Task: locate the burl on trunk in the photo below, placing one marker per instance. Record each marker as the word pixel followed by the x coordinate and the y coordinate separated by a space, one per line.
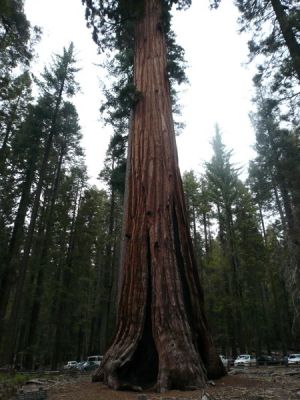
pixel 162 337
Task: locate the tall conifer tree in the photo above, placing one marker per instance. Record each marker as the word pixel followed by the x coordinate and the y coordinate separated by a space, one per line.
pixel 162 336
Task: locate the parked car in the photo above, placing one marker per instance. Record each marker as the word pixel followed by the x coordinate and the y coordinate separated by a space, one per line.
pixel 95 359
pixel 80 365
pixel 244 360
pixel 293 359
pixel 230 361
pixel 70 365
pixel 224 360
pixel 89 366
pixel 268 360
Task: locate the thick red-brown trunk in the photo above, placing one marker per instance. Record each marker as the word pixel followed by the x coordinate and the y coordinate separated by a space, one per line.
pixel 162 336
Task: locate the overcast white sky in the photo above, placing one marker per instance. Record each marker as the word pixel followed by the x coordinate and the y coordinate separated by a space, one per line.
pixel 220 86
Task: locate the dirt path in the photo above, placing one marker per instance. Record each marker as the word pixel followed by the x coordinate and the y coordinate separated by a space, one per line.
pixel 249 384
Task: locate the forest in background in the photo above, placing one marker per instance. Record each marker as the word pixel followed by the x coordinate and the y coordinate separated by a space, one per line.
pixel 60 237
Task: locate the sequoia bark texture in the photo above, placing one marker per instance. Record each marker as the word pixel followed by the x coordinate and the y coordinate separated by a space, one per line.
pixel 162 337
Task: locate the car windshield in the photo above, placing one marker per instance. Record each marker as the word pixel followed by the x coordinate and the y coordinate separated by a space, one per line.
pixel 243 356
pixel 95 358
pixel 295 356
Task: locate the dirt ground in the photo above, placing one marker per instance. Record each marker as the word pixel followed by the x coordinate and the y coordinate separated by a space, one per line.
pixel 248 384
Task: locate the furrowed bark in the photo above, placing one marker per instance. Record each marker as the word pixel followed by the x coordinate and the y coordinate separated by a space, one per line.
pixel 162 336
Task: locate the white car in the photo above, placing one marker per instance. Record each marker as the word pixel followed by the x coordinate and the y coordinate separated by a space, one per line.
pixel 70 365
pixel 244 360
pixel 96 359
pixel 294 359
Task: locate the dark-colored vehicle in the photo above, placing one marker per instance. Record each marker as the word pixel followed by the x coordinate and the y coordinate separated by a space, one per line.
pixel 80 365
pixel 230 361
pixel 268 360
pixel 89 366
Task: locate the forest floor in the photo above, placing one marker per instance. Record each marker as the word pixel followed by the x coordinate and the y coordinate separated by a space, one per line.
pixel 263 383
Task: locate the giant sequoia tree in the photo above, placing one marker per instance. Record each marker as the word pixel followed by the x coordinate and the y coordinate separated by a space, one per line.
pixel 162 336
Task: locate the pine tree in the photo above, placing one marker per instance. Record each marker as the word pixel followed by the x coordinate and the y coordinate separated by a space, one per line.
pixel 252 258
pixel 24 160
pixel 68 137
pixel 222 180
pixel 14 36
pixel 113 175
pixel 14 109
pixel 198 216
pixel 274 26
pixel 276 144
pixel 58 82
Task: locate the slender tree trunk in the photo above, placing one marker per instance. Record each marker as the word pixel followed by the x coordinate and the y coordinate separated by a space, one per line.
pixel 96 320
pixel 261 217
pixel 279 205
pixel 61 299
pixel 265 335
pixel 293 244
pixel 288 34
pixel 290 224
pixel 57 307
pixel 205 223
pixel 16 307
pixel 237 292
pixel 43 259
pixel 162 335
pixel 8 131
pixel 197 244
pixel 279 322
pixel 31 282
pixel 8 276
pixel 230 315
pixel 113 294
